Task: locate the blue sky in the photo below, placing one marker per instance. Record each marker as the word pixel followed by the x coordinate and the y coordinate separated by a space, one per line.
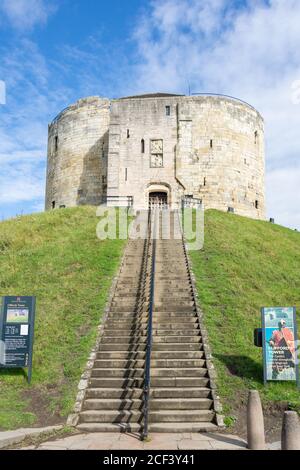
pixel 53 52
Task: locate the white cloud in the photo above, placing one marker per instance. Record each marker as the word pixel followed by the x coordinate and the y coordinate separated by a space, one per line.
pixel 251 52
pixel 284 196
pixel 25 14
pixel 23 125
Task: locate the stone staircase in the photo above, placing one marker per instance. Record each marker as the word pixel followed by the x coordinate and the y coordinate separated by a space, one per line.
pixel 181 398
pixel 114 398
pixel 181 394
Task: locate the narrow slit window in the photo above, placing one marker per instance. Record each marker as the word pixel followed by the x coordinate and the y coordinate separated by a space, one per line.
pixel 126 174
pixel 204 181
pixel 128 134
pixel 211 143
pixel 256 204
pixel 168 110
pixel 56 143
pixel 142 146
pixel 53 204
pixel 255 137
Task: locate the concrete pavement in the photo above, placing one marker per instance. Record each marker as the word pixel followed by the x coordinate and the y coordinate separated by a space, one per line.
pixel 159 441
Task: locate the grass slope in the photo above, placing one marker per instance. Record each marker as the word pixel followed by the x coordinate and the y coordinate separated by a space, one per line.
pixel 245 265
pixel 57 257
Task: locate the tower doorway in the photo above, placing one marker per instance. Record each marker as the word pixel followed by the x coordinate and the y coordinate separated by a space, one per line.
pixel 158 200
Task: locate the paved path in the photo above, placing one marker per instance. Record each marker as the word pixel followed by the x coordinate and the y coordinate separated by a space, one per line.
pixel 165 441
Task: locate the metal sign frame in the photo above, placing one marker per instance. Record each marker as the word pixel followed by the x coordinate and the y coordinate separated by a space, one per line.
pixel 295 332
pixel 28 303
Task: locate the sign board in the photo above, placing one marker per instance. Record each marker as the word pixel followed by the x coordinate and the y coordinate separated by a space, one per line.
pixel 16 332
pixel 279 336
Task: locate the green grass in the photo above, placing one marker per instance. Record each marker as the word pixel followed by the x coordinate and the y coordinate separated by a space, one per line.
pixel 57 257
pixel 245 265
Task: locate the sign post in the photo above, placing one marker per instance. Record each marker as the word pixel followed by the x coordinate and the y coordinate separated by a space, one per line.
pixel 17 332
pixel 279 341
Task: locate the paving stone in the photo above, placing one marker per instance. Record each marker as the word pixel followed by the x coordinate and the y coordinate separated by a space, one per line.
pixel 189 444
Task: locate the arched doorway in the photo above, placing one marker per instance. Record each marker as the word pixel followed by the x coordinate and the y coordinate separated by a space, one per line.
pixel 158 199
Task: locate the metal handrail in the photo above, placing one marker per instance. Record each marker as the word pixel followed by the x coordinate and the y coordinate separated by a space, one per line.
pixel 149 332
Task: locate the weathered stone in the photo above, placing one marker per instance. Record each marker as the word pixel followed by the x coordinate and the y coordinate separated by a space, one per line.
pixel 290 436
pixel 207 146
pixel 255 422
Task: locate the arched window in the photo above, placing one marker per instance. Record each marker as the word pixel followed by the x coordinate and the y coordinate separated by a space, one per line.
pixel 142 146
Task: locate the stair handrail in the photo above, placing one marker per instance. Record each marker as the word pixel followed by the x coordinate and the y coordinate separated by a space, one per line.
pixel 147 384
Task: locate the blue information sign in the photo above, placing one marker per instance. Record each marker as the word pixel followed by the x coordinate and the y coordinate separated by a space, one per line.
pixel 16 332
pixel 279 332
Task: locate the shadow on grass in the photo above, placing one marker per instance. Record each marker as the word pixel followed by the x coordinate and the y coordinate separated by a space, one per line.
pixel 242 366
pixel 13 372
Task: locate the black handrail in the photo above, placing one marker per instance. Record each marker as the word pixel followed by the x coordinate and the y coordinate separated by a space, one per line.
pixel 149 332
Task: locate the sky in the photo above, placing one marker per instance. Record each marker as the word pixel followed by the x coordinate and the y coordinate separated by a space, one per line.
pixel 53 52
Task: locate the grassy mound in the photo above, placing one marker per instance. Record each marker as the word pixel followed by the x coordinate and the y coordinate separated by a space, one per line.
pixel 245 265
pixel 57 257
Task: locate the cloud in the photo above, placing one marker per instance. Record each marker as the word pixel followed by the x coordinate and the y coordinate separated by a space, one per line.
pixel 248 50
pixel 25 14
pixel 23 124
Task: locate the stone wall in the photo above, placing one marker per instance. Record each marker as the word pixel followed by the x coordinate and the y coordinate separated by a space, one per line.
pixel 129 169
pixel 77 154
pixel 211 147
pixel 220 154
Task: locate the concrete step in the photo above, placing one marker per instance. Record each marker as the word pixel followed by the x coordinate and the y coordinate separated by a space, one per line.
pixel 177 392
pixel 177 355
pixel 162 298
pixel 180 403
pixel 121 355
pixel 114 393
pixel 123 339
pixel 174 317
pixel 123 372
pixel 177 346
pixel 169 332
pixel 180 382
pixel 110 427
pixel 110 416
pixel 119 363
pixel 127 316
pixel 116 382
pixel 177 363
pixel 178 372
pixel 176 307
pixel 177 416
pixel 125 332
pixel 182 427
pixel 176 339
pixel 131 347
pixel 112 404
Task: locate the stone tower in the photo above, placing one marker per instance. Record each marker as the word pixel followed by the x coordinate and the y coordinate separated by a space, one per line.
pixel 158 145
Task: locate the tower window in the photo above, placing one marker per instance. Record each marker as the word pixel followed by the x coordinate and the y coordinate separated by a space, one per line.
pixel 255 137
pixel 142 146
pixel 204 182
pixel 53 204
pixel 128 134
pixel 256 204
pixel 126 174
pixel 56 143
pixel 211 143
pixel 168 110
